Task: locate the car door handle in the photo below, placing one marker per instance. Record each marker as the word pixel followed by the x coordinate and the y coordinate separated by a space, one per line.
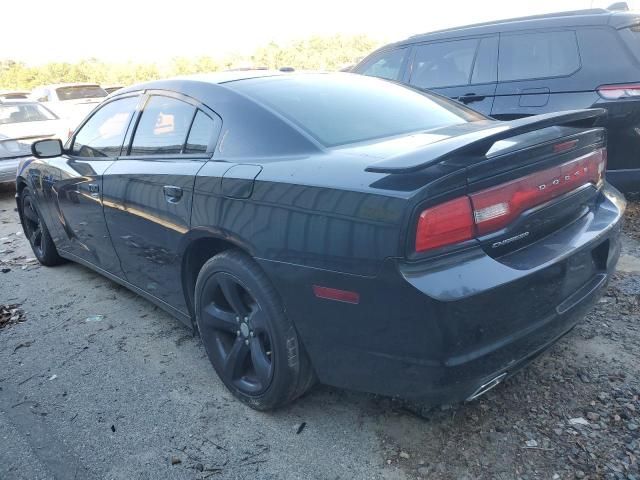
pixel 94 189
pixel 471 97
pixel 172 193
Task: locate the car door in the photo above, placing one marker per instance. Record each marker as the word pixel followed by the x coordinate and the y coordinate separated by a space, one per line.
pixel 74 190
pixel 149 191
pixel 462 69
pixel 535 74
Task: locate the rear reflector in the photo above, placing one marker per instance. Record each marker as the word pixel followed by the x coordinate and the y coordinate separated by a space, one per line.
pixel 615 92
pixel 335 294
pixel 494 208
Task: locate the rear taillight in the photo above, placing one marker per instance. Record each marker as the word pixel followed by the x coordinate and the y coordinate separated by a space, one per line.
pixel 494 208
pixel 445 224
pixel 615 92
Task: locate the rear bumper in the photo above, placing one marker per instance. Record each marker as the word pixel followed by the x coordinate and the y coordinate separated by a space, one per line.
pixel 439 332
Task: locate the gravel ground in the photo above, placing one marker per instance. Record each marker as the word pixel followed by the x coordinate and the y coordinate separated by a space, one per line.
pixel 98 383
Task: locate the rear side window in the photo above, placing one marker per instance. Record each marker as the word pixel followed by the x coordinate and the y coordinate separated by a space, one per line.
pixel 386 65
pixel 445 64
pixel 631 36
pixel 163 127
pixel 201 134
pixel 538 55
pixel 103 133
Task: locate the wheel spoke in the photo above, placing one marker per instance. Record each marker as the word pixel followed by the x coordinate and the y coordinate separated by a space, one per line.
pixel 258 320
pixel 261 362
pixel 219 319
pixel 231 292
pixel 234 362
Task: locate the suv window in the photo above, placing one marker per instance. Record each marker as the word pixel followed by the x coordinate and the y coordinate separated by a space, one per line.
pixel 163 127
pixel 538 55
pixel 444 64
pixel 385 65
pixel 201 134
pixel 485 68
pixel 103 133
pixel 632 38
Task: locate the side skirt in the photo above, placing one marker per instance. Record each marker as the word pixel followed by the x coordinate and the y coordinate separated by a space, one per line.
pixel 183 317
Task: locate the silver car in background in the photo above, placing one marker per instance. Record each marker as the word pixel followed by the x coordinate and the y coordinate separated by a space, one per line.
pixel 22 122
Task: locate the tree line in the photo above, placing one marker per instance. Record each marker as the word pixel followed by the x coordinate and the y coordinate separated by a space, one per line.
pixel 314 53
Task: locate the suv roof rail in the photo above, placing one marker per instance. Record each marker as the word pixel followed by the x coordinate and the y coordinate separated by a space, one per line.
pixel 570 13
pixel 619 7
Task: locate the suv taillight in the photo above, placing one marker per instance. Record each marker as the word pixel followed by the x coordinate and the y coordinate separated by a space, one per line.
pixel 494 208
pixel 615 92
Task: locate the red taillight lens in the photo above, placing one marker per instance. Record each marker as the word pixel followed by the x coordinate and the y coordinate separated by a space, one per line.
pixel 495 207
pixel 614 92
pixel 444 224
pixel 490 210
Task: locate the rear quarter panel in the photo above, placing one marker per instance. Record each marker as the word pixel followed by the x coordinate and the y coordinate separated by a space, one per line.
pixel 293 216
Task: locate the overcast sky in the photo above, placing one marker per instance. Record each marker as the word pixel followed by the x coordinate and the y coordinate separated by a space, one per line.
pixel 143 30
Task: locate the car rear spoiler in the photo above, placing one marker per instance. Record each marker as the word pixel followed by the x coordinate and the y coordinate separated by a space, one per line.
pixel 480 142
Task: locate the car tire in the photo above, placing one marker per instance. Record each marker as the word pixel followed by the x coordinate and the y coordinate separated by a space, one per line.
pixel 249 340
pixel 36 231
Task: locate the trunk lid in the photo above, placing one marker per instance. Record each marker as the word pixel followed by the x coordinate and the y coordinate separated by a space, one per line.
pixel 505 185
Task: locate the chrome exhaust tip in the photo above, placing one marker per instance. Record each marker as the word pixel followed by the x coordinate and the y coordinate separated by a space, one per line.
pixel 484 388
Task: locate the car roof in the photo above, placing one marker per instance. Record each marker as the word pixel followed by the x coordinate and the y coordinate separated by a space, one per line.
pixel 591 17
pixel 189 84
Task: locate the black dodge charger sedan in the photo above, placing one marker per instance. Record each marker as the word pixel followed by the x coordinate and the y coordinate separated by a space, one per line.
pixel 334 227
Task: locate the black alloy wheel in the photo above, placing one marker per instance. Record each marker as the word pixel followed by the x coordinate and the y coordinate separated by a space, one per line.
pixel 237 332
pixel 32 224
pixel 251 343
pixel 36 231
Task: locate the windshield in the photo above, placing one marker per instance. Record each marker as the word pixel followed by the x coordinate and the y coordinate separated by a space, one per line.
pixel 337 109
pixel 80 91
pixel 28 112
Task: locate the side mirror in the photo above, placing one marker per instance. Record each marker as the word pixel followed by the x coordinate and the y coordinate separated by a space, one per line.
pixel 47 148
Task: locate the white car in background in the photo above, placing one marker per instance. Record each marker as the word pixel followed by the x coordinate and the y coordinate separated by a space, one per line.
pixel 71 101
pixel 14 95
pixel 22 122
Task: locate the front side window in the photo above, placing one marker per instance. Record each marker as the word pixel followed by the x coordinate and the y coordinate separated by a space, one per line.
pixel 445 64
pixel 163 127
pixel 104 132
pixel 386 65
pixel 538 55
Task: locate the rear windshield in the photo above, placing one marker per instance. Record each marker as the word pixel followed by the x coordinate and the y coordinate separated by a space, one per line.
pixel 30 112
pixel 632 38
pixel 337 109
pixel 80 91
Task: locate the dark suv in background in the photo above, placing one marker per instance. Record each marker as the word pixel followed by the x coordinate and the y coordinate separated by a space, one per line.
pixel 527 66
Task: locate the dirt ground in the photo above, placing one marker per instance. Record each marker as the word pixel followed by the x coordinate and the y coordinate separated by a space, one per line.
pixel 96 382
